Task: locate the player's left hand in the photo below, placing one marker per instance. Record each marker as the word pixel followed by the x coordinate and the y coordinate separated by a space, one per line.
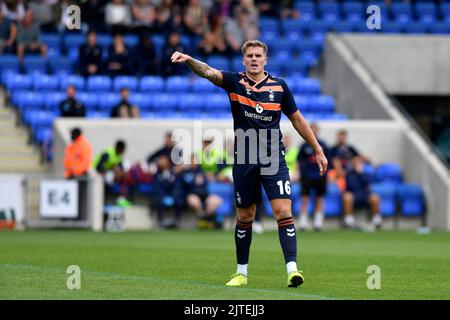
pixel 322 163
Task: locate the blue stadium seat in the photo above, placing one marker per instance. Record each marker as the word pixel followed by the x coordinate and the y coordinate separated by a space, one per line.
pixel 53 42
pixel 303 103
pixel 177 84
pixel 53 99
pixel 296 66
pixel 191 102
pixel 317 27
pixel 104 40
pixel 92 114
pixel 307 44
pixel 308 86
pixel 329 11
pixel 74 40
pixel 19 82
pixel 389 173
pixel 151 83
pixel 16 96
pixel 61 65
pixel 307 10
pixel 158 41
pixel 200 85
pixel 46 83
pixel 268 24
pixel 108 100
pixel 35 64
pixel 283 44
pixel 267 36
pixel 402 12
pixel 391 27
pixel 98 83
pixel 275 67
pixel 73 53
pixel 293 25
pixel 165 103
pixel 309 59
pixel 426 12
pixel 43 134
pixel 323 104
pixel 332 201
pixel 225 191
pixel 218 62
pixel 143 100
pixel 344 26
pixel 384 11
pixel 217 102
pixel 41 118
pixel 439 28
pixel 386 192
pixel 89 99
pixel 131 40
pixel 294 35
pixel 77 81
pixel 415 27
pixel 31 101
pixel 129 82
pixel 353 11
pixel 411 199
pixel 445 11
pixel 9 62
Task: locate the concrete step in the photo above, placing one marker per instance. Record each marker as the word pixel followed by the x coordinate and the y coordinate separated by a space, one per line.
pixel 13 138
pixel 19 149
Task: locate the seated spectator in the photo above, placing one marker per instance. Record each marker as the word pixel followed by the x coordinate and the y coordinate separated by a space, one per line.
pixel 119 57
pixel 173 44
pixel 168 150
pixel 143 15
pixel 117 16
pixel 8 34
pixel 29 37
pixel 90 56
pixel 43 14
pixel 168 17
pixel 13 10
pixel 124 109
pixel 288 11
pixel 239 30
pixel 70 107
pixel 195 18
pixel 311 180
pixel 110 165
pixel 268 8
pixel 214 39
pixel 145 59
pixel 358 195
pixel 194 184
pixel 77 155
pixel 167 192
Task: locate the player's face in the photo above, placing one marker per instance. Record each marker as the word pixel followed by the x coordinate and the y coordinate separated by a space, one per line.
pixel 254 60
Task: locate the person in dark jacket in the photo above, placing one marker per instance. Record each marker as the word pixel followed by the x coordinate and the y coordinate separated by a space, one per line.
pixel 358 194
pixel 70 107
pixel 90 56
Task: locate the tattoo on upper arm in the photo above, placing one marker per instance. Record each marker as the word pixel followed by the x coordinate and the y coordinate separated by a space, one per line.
pixel 204 71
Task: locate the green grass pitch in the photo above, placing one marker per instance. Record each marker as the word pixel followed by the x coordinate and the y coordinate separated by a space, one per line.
pixel 196 264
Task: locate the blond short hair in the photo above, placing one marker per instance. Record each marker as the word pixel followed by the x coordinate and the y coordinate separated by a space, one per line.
pixel 253 43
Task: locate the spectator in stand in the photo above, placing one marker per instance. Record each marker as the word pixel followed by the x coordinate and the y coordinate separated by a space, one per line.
pixel 111 166
pixel 239 30
pixel 43 14
pixel 145 59
pixel 124 109
pixel 29 37
pixel 268 8
pixel 358 195
pixel 70 107
pixel 144 18
pixel 287 10
pixel 168 150
pixel 93 14
pixel 77 155
pixel 117 16
pixel 13 10
pixel 195 18
pixel 8 34
pixel 214 39
pixel 119 60
pixel 90 56
pixel 250 8
pixel 167 192
pixel 310 179
pixel 173 44
pixel 168 17
pixel 223 8
pixel 194 184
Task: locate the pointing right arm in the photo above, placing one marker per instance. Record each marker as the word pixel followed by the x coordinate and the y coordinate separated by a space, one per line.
pixel 199 68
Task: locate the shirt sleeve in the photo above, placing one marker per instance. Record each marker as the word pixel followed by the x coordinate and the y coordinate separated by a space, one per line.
pixel 288 105
pixel 229 80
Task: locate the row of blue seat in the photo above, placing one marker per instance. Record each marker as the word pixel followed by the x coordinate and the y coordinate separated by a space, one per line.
pixel 105 101
pixel 408 199
pixel 43 82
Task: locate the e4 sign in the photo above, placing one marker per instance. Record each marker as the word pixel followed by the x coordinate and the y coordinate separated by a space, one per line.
pixel 59 199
